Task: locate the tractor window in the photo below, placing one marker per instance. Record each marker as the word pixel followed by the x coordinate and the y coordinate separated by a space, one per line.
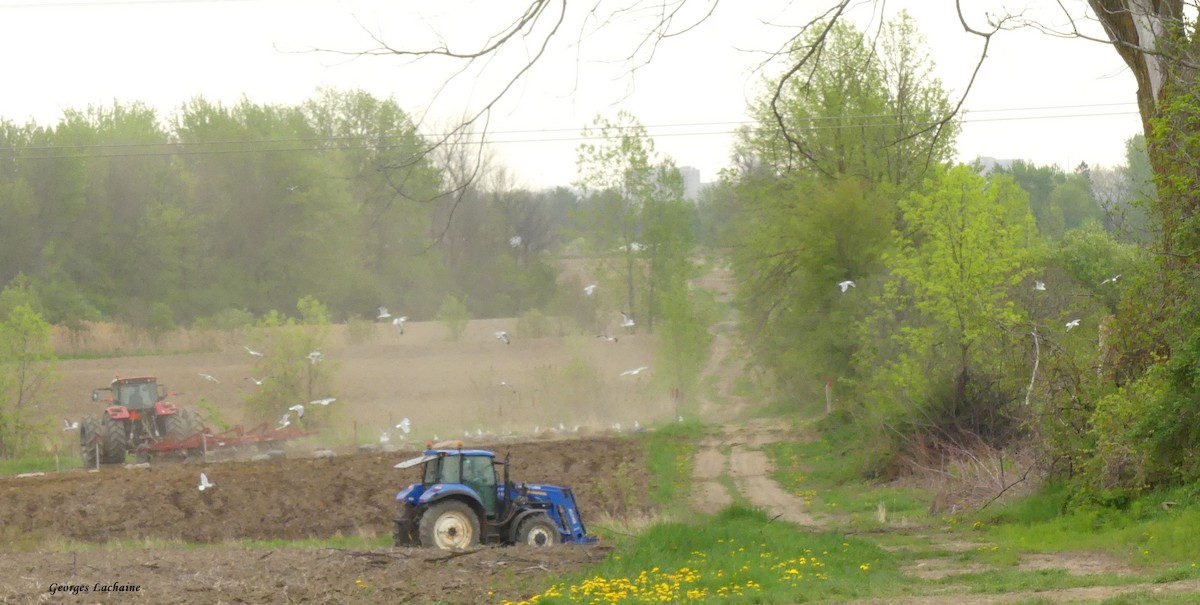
pixel 446 469
pixel 477 470
pixel 139 396
pixel 480 475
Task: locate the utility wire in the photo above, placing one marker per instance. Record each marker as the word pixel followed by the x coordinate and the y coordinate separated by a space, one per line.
pixel 101 3
pixel 380 143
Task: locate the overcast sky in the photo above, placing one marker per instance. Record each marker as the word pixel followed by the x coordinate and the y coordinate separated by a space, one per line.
pixel 1040 98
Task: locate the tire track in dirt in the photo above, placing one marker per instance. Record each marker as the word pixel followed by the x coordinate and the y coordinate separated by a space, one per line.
pixel 750 469
pixel 709 495
pixel 746 464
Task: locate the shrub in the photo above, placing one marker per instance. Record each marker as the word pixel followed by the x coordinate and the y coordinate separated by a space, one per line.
pixel 454 315
pixel 534 324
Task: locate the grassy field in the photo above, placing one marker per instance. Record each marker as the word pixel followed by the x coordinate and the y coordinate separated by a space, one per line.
pixel 878 542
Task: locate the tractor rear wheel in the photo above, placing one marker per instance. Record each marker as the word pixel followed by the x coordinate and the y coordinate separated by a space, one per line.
pixel 404 526
pixel 449 525
pixel 113 441
pixel 537 530
pixel 180 426
pixel 89 430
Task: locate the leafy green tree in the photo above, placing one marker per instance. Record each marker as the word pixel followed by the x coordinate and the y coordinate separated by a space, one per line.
pixel 27 376
pixel 640 224
pixel 867 111
pixel 815 187
pixel 294 367
pixel 455 315
pixel 949 367
pixel 619 168
pixel 799 238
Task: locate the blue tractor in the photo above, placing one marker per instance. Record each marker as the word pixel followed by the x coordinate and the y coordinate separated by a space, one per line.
pixel 461 502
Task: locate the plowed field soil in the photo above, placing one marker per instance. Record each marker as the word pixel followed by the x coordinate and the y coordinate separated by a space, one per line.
pixel 151 527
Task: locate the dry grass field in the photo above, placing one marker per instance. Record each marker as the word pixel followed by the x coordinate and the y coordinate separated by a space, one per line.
pixel 446 388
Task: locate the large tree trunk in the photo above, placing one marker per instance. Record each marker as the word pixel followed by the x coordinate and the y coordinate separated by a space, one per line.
pixel 1151 36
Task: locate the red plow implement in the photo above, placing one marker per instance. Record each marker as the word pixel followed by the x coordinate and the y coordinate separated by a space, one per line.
pixel 207 441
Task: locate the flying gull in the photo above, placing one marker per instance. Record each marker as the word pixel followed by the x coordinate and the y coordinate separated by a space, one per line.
pixel 846 285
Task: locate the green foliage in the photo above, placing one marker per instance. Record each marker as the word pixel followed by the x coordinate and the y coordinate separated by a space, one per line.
pixel 534 324
pixel 861 110
pixel 950 370
pixel 312 312
pixel 230 320
pixel 638 223
pixel 160 321
pixel 800 237
pixel 455 315
pixel 18 293
pixel 211 415
pixel 684 339
pixel 814 196
pixel 252 206
pixel 27 376
pixel 294 369
pixel 1153 529
pixel 1060 202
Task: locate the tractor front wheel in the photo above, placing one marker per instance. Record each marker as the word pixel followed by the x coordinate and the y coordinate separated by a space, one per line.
pixel 113 440
pixel 404 526
pixel 89 432
pixel 449 525
pixel 537 530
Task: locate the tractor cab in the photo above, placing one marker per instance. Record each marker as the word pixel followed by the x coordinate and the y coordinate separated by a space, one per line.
pixel 473 469
pixel 134 394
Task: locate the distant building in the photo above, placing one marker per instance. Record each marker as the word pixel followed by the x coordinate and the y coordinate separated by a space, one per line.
pixel 691 182
pixel 988 164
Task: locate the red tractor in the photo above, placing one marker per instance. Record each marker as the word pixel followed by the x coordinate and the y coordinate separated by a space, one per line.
pixel 137 417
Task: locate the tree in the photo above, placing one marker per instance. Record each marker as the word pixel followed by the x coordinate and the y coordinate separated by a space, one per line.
pixel 294 365
pixel 820 172
pixel 862 111
pixel 951 321
pixel 618 169
pixel 27 375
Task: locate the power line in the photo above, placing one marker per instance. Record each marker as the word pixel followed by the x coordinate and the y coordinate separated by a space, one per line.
pixel 300 144
pixel 102 3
